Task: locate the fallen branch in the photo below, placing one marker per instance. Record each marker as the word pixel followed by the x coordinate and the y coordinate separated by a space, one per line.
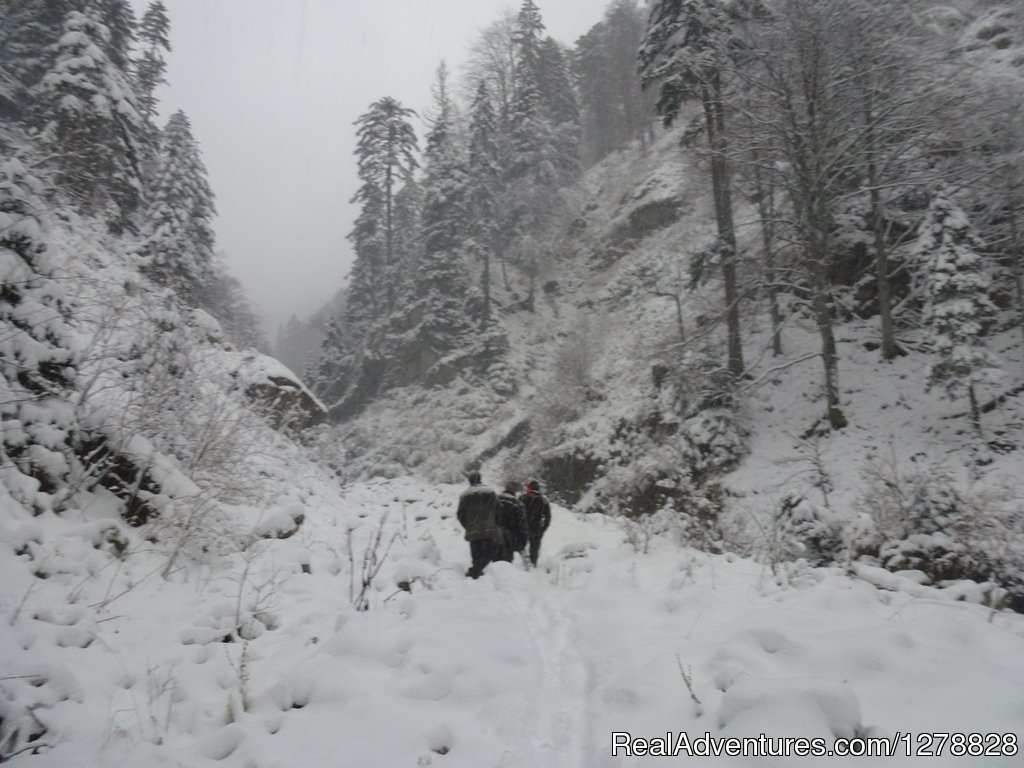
pixel 688 679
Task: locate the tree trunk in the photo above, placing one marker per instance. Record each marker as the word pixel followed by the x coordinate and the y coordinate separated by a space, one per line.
pixel 890 349
pixel 500 253
pixel 766 210
pixel 821 304
pixel 1016 247
pixel 714 116
pixel 486 281
pixel 975 410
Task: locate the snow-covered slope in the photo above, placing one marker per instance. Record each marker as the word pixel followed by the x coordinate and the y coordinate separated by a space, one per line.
pixel 263 661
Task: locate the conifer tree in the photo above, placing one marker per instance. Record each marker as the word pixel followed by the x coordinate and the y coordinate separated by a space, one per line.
pixel 28 31
pixel 90 120
pixel 154 32
pixel 36 361
pixel 386 143
pixel 958 309
pixel 613 109
pixel 482 189
pixel 386 158
pixel 118 17
pixel 179 246
pixel 444 185
pixel 439 302
pixel 330 374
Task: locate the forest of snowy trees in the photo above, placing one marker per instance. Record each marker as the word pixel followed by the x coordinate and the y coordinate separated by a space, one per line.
pixel 851 167
pixel 863 163
pixel 740 283
pixel 835 124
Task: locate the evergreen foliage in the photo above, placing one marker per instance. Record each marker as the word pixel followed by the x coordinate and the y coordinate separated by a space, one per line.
pixel 36 362
pixel 178 249
pixel 150 68
pixel 386 156
pixel 958 310
pixel 89 116
pixel 603 64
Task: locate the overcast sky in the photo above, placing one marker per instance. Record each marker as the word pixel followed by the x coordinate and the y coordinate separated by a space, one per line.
pixel 272 88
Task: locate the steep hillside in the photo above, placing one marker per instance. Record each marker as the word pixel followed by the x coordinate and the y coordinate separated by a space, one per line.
pixel 621 405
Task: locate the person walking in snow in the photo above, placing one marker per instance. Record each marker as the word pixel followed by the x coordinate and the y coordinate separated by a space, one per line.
pixel 478 507
pixel 538 517
pixel 512 523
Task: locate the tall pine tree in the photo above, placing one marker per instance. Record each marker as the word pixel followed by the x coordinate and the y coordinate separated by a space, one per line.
pixel 178 249
pixel 386 156
pixel 483 186
pixel 90 120
pixel 36 361
pixel 438 305
pixel 150 68
pixel 958 309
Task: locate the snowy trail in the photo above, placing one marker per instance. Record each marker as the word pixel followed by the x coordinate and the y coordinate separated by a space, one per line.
pixel 562 734
pixel 522 669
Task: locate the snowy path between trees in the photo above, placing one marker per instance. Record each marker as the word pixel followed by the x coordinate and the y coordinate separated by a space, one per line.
pixel 519 668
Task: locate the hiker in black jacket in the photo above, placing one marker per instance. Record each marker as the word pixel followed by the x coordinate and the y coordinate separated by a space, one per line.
pixel 512 523
pixel 478 506
pixel 538 517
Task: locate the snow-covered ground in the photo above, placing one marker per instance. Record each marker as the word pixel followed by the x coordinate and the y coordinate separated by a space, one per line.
pixel 518 668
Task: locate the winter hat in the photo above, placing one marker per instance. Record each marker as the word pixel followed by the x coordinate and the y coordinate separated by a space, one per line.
pixel 534 485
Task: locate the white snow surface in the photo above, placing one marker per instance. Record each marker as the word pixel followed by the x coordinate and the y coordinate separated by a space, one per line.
pixel 519 668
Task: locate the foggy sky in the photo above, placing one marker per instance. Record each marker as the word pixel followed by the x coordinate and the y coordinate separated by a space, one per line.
pixel 272 88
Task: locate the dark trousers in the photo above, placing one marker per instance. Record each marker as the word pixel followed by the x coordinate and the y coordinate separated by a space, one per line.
pixel 535 537
pixel 482 551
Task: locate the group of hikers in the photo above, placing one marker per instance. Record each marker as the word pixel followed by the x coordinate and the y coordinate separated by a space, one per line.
pixel 500 524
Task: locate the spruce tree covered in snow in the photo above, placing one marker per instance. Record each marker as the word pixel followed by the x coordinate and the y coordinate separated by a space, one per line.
pixel 444 186
pixel 958 310
pixel 350 368
pixel 154 32
pixel 613 109
pixel 28 29
pixel 482 190
pixel 178 249
pixel 385 153
pixel 36 362
pixel 437 311
pixel 89 117
pixel 118 17
pixel 330 374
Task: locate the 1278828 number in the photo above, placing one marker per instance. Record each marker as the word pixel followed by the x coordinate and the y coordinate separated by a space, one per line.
pixel 960 744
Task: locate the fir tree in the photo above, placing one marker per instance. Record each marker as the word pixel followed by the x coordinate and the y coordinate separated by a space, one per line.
pixel 330 375
pixel 36 362
pixel 385 153
pixel 437 309
pixel 179 246
pixel 90 120
pixel 958 309
pixel 154 32
pixel 28 31
pixel 613 110
pixel 119 19
pixel 482 189
pixel 444 186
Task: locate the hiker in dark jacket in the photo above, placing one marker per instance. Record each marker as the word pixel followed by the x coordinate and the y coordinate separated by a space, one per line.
pixel 512 522
pixel 538 517
pixel 477 512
